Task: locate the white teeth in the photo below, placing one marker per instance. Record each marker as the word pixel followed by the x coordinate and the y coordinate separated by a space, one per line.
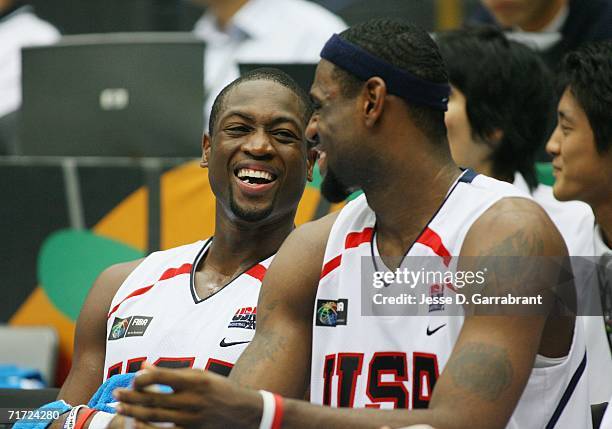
pixel 255 174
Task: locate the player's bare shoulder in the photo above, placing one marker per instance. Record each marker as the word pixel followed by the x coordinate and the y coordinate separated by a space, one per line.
pixel 306 243
pixel 316 233
pixel 105 287
pixel 296 268
pixel 110 280
pixel 521 254
pixel 514 226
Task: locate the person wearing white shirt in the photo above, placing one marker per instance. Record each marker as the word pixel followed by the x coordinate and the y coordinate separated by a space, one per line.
pixel 581 147
pixel 19 27
pixel 259 31
pixel 501 103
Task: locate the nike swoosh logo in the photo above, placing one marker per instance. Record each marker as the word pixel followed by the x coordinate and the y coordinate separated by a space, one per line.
pixel 235 343
pixel 435 330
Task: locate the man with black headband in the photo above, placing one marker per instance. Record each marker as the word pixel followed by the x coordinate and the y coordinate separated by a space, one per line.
pixel 380 92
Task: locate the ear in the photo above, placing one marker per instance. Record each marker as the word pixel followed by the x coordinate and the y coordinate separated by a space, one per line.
pixel 311 161
pixel 205 151
pixel 374 95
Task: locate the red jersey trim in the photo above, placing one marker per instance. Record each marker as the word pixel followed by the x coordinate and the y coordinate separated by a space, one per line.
pixel 353 239
pixel 257 271
pixel 432 240
pixel 428 238
pixel 168 274
pixel 331 266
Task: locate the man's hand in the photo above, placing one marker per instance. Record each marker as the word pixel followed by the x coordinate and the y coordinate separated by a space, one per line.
pixel 200 399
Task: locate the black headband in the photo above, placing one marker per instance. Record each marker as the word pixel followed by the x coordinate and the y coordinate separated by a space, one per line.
pixel 363 65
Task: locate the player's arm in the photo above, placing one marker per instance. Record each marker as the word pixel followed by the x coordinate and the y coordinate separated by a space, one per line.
pixel 479 388
pixel 90 337
pixel 278 358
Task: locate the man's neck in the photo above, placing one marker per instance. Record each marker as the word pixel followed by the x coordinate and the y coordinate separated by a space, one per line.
pixel 236 246
pixel 486 167
pixel 406 195
pixel 603 216
pixel 544 17
pixel 225 10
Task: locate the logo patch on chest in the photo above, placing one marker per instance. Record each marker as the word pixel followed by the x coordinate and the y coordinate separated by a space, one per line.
pixel 331 312
pixel 245 318
pixel 132 326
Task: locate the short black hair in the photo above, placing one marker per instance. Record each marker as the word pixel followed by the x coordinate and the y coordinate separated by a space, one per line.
pixel 508 87
pixel 407 47
pixel 264 73
pixel 587 73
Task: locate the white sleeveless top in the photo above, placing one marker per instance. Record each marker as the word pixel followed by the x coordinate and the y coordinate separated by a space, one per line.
pixel 157 316
pixel 394 361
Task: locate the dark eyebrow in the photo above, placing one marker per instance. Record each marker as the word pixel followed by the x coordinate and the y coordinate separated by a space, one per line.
pixel 242 115
pixel 284 119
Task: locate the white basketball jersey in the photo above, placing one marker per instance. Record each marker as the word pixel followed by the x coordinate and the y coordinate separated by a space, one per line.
pixel 156 315
pixel 394 361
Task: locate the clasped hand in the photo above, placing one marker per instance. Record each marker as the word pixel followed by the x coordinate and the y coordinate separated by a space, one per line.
pixel 200 399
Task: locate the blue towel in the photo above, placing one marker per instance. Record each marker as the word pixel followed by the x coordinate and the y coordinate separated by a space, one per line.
pixel 54 408
pixel 103 399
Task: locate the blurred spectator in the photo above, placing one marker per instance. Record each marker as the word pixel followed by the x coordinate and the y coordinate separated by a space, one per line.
pixel 260 31
pixel 581 147
pixel 501 103
pixel 19 27
pixel 555 27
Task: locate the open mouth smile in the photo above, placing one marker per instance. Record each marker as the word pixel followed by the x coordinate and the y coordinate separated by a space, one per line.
pixel 254 181
pixel 255 177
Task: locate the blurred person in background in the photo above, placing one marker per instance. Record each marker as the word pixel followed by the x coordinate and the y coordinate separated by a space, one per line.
pixel 19 27
pixel 581 147
pixel 502 100
pixel 555 27
pixel 259 31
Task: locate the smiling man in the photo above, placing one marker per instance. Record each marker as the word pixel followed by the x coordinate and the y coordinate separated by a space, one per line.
pixel 195 306
pixel 581 147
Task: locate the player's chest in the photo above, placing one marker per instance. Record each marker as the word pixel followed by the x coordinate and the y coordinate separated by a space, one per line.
pixel 170 316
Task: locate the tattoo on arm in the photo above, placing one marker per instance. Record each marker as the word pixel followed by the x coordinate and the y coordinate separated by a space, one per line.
pixel 483 369
pixel 510 265
pixel 519 244
pixel 261 352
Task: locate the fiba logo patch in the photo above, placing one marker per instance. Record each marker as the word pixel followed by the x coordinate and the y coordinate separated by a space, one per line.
pixel 244 318
pixel 331 312
pixel 133 326
pixel 119 328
